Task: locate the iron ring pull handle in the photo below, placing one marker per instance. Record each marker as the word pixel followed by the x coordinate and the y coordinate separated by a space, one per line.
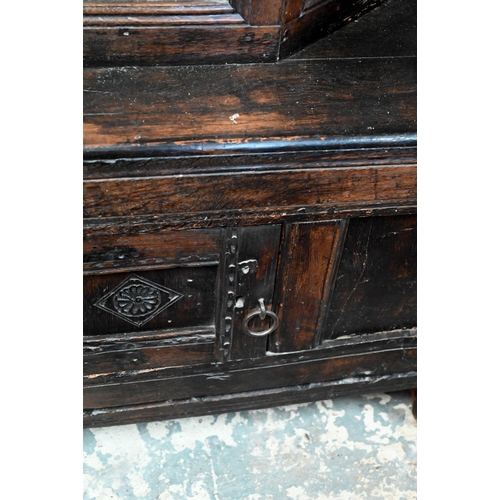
pixel 262 313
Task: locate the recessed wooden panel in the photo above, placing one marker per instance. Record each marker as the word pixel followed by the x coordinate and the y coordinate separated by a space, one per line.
pixel 376 285
pixel 150 300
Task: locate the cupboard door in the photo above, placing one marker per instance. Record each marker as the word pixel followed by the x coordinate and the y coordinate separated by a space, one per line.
pixel 345 277
pixel 156 303
pixel 250 281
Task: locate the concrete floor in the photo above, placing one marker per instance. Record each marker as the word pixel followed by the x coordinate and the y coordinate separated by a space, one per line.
pixel 346 448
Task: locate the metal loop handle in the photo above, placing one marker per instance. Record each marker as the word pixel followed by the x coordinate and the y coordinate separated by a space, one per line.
pixel 262 313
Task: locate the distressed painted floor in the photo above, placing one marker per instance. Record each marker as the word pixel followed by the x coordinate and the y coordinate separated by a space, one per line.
pixel 347 448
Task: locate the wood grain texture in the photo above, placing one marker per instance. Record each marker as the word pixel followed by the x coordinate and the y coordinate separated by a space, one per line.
pixel 376 284
pixel 259 12
pixel 133 107
pixel 233 162
pixel 247 401
pixel 107 252
pixel 209 384
pixel 255 276
pixel 249 190
pixel 193 291
pixel 357 344
pixel 317 21
pixel 313 158
pixel 390 30
pixel 150 224
pixel 171 45
pixel 306 266
pixel 146 356
pixel 184 8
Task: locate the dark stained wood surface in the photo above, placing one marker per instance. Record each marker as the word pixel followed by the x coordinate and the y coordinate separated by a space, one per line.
pixel 206 194
pixel 132 107
pixel 130 357
pixel 197 44
pixel 111 252
pixel 306 266
pixel 259 12
pixel 194 290
pixel 307 25
pixel 376 286
pixel 268 377
pixel 359 344
pixel 390 30
pixel 288 171
pixel 255 277
pixel 241 31
pixel 152 8
pixel 249 400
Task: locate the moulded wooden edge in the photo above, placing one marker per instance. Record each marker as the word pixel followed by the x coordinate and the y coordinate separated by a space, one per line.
pixel 252 146
pixel 248 400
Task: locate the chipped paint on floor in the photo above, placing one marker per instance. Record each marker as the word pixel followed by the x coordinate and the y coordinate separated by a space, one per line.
pixel 347 448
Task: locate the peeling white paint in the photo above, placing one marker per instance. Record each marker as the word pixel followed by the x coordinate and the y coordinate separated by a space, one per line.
pixel 382 432
pixel 296 493
pixel 384 398
pixel 139 485
pixel 122 442
pixel 371 446
pixel 391 452
pixel 158 430
pixel 166 495
pixel 93 461
pixel 407 430
pixel 391 492
pixel 199 492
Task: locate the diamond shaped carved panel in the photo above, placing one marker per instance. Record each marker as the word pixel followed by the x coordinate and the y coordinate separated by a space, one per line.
pixel 137 300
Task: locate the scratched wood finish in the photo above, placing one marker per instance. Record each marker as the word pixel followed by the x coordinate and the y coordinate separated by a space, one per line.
pixel 306 266
pixel 241 31
pixel 134 107
pixel 323 147
pixel 199 44
pixel 247 401
pixel 129 357
pixel 209 384
pixel 357 155
pixel 254 279
pixel 361 344
pixel 297 188
pixel 376 284
pixel 107 252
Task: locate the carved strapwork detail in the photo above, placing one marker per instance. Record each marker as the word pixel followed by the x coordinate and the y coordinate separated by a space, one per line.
pixel 137 300
pixel 230 273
